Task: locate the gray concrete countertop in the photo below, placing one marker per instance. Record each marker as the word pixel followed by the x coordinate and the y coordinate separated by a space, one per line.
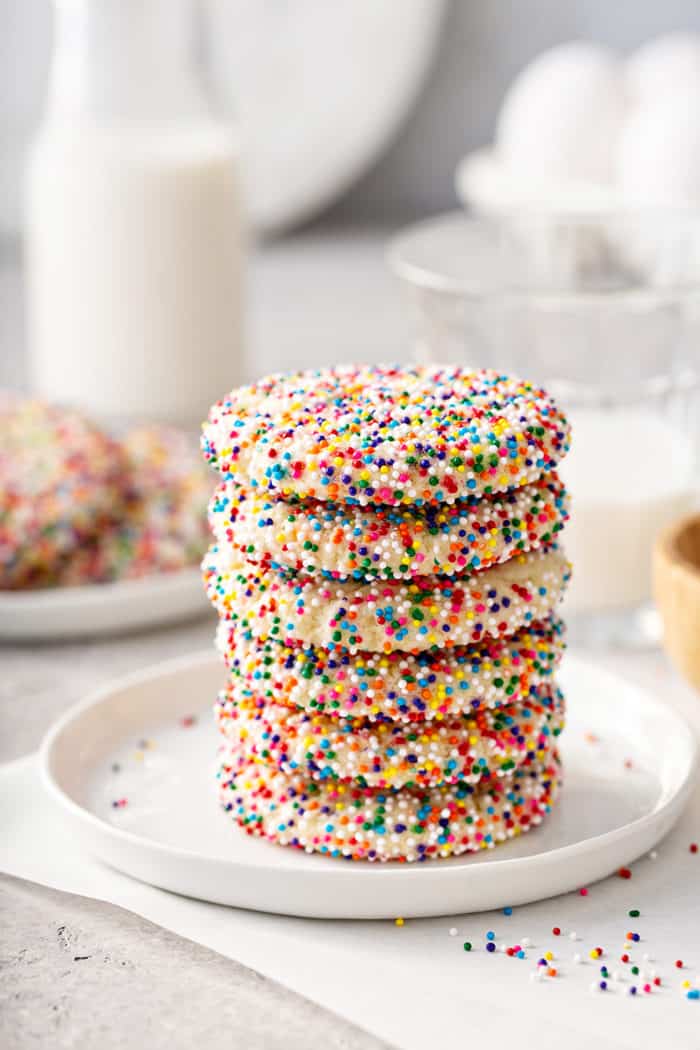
pixel 76 972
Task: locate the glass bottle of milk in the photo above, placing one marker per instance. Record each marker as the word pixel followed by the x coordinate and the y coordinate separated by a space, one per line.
pixel 134 232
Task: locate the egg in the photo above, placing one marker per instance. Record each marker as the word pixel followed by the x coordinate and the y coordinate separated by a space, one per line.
pixel 667 67
pixel 562 116
pixel 658 156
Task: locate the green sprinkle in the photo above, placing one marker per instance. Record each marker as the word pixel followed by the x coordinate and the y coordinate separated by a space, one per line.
pixel 467 946
pixel 634 913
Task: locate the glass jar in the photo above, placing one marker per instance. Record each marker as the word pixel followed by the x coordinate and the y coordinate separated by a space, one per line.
pixel 135 236
pixel 604 311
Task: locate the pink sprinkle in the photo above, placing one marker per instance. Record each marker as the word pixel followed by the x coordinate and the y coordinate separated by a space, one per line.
pixel 583 892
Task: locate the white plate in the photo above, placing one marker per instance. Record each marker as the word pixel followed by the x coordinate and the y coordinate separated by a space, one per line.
pixel 623 791
pixel 96 610
pixel 318 88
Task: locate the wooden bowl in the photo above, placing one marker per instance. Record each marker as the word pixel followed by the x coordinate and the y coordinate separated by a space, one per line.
pixel 677 592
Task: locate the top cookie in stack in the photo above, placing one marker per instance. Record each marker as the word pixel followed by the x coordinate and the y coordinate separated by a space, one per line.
pixel 386 436
pixel 386 513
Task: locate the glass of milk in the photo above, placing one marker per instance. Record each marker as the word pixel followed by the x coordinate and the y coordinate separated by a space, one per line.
pixel 135 237
pixel 604 311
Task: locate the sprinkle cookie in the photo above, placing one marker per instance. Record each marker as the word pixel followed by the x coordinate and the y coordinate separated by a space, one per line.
pixel 162 526
pixel 388 755
pixel 339 820
pixel 59 482
pixel 365 543
pixel 386 435
pixel 394 686
pixel 420 614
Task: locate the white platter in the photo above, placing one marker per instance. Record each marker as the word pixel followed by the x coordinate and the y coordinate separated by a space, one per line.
pixel 317 90
pixel 629 763
pixel 97 610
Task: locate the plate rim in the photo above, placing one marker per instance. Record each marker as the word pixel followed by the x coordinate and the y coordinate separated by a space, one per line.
pixel 101 610
pixel 84 593
pixel 447 872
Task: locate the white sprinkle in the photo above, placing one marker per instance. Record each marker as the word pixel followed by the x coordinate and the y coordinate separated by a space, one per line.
pixel 525 942
pixel 595 987
pixel 653 855
pixel 573 936
pixel 503 948
pixel 577 958
pixel 615 975
pixel 536 975
pixel 453 931
pixel 646 957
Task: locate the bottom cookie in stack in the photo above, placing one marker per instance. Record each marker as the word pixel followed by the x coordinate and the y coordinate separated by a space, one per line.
pixel 343 820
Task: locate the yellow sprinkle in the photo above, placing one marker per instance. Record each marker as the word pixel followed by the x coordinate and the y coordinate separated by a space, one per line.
pixel 398 922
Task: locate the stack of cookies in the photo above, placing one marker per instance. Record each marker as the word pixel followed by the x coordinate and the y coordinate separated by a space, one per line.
pixel 386 569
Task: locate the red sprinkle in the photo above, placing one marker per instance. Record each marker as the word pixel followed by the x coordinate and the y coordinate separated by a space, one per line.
pixel 657 982
pixel 188 721
pixel 583 892
pixel 693 847
pixel 625 957
pixel 679 964
pixel 556 931
pixel 625 873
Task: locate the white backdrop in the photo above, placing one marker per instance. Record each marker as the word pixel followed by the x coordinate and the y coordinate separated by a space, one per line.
pixel 484 43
